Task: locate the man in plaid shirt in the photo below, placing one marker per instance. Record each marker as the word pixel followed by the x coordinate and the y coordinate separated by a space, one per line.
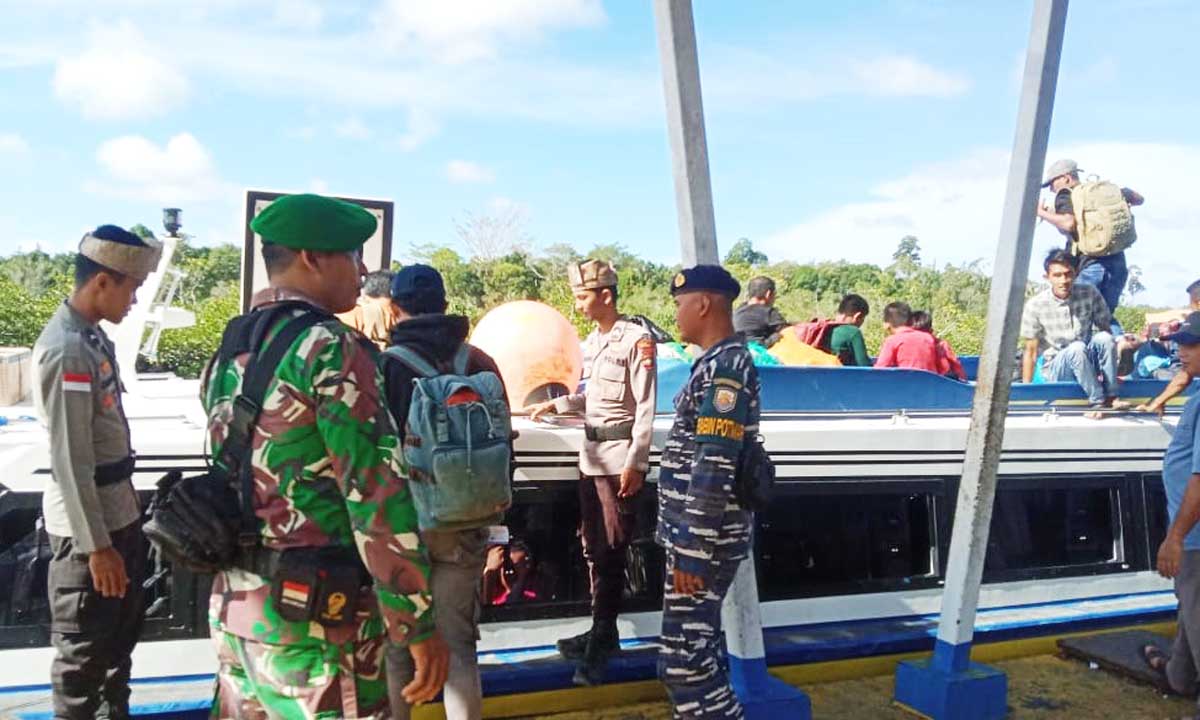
pixel 1067 324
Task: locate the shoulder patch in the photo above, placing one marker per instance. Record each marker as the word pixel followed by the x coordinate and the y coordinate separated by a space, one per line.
pixel 646 352
pixel 724 399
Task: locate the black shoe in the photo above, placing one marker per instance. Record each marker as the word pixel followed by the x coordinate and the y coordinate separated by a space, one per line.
pixel 573 648
pixel 600 647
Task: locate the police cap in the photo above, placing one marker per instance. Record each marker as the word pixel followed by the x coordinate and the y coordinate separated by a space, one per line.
pixel 314 222
pixel 705 278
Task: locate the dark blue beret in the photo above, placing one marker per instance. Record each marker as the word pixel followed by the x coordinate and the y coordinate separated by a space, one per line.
pixel 418 280
pixel 705 278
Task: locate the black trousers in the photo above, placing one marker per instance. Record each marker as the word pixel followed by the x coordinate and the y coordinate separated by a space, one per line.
pixel 606 526
pixel 94 636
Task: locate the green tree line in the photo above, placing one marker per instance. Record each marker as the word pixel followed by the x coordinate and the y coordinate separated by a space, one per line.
pixel 33 284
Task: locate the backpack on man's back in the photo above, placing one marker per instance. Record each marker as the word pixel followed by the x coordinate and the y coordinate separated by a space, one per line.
pixel 1103 220
pixel 817 332
pixel 456 443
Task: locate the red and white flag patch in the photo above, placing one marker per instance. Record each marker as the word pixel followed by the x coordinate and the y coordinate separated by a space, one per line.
pixel 77 382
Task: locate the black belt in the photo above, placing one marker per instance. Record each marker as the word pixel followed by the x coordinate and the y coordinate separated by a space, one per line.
pixel 265 562
pixel 115 472
pixel 607 433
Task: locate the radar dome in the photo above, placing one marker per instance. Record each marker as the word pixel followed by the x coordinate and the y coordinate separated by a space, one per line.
pixel 536 349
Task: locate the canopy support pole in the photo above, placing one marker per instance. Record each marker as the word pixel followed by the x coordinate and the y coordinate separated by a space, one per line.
pixel 948 686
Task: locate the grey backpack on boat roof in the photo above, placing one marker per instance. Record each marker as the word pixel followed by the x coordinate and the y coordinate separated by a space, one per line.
pixel 456 443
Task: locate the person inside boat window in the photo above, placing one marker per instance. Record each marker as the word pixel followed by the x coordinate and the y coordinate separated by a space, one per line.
pixel 757 318
pixel 948 363
pixel 846 338
pixel 905 346
pixel 1181 377
pixel 1066 333
pixel 512 574
pixel 1179 554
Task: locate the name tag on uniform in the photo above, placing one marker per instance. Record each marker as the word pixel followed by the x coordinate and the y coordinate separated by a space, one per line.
pixel 77 382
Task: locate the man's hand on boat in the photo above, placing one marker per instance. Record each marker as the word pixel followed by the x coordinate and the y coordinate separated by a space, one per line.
pixel 687 584
pixel 108 573
pixel 537 411
pixel 631 482
pixel 431 658
pixel 1170 554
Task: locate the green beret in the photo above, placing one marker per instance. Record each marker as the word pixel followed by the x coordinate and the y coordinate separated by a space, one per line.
pixel 314 222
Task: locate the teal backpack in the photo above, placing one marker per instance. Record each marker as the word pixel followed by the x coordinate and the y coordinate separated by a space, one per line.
pixel 456 444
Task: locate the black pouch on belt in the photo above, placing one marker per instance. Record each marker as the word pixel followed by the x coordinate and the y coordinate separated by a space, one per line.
pixel 317 585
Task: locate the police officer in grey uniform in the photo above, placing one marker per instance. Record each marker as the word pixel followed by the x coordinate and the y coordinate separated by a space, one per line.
pixel 618 406
pixel 704 531
pixel 91 510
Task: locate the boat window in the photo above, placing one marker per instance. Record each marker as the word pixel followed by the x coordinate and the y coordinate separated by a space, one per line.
pixel 819 544
pixel 1054 522
pixel 540 571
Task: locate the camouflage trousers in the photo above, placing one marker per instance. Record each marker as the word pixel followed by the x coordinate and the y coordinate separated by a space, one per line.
pixel 691 663
pixel 304 681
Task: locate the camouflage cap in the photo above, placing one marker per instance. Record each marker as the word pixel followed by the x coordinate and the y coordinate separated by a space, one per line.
pixel 314 222
pixel 591 275
pixel 121 250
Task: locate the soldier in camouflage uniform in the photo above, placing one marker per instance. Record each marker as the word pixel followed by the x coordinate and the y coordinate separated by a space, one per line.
pixel 327 474
pixel 704 531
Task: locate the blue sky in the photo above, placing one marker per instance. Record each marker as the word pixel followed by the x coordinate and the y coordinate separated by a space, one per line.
pixel 834 128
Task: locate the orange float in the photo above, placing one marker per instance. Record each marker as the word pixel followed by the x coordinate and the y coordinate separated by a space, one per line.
pixel 536 348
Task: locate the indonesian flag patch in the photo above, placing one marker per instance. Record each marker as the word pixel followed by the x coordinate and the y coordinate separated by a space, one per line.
pixel 295 594
pixel 77 382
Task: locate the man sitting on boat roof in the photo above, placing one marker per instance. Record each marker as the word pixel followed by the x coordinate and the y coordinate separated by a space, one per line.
pixel 1065 328
pixel 757 318
pixel 905 346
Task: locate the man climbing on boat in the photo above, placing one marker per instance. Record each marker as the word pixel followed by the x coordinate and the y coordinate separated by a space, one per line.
pixel 1179 553
pixel 618 405
pixel 703 529
pixel 1066 333
pixel 89 505
pixel 1098 248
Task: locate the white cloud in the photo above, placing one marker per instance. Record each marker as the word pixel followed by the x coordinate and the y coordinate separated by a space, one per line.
pixel 118 76
pixel 299 15
pixel 905 76
pixel 463 171
pixel 180 171
pixel 954 209
pixel 456 31
pixel 353 129
pixel 13 144
pixel 422 127
pixel 318 186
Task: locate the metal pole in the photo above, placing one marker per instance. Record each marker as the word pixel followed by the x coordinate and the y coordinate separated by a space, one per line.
pixel 685 127
pixel 972 519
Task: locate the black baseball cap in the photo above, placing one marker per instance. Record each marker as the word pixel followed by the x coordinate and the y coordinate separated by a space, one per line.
pixel 418 280
pixel 1188 333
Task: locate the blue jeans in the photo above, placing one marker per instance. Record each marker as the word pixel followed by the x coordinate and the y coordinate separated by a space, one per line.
pixel 1108 275
pixel 1085 364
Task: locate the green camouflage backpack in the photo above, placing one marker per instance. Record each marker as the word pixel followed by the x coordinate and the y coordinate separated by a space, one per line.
pixel 1103 220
